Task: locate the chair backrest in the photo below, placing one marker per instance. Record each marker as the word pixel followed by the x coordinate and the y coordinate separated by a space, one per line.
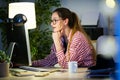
pixel 106 45
pixel 104 59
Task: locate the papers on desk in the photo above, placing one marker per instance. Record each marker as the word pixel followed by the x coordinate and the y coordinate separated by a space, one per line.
pixel 21 72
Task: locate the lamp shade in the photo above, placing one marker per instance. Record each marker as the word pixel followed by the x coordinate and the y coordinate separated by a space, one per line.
pixel 25 8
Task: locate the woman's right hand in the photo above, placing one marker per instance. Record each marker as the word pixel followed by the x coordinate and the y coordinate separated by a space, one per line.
pixel 57 40
pixel 56 35
pixel 57 32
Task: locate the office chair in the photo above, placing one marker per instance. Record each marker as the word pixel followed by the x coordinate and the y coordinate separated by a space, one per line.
pixel 105 65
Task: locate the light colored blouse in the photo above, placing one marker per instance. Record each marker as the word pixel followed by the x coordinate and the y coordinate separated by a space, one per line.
pixel 79 50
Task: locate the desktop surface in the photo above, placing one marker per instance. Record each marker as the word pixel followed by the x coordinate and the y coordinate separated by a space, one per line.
pixel 57 74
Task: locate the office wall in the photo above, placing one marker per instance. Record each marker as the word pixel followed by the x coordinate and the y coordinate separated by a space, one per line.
pixel 81 6
pixel 88 11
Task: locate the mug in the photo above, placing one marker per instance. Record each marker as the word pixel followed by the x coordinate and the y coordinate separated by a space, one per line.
pixel 72 66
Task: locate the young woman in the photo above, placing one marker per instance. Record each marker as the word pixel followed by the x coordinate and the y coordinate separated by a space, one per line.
pixel 70 42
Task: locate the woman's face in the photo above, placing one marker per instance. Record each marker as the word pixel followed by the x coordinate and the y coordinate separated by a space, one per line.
pixel 56 22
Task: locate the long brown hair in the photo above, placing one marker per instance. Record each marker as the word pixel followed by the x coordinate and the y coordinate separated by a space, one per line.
pixel 75 24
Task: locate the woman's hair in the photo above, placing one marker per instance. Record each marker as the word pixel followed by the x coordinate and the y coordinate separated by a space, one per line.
pixel 74 23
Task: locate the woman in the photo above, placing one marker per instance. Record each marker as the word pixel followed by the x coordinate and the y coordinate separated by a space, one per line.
pixel 70 42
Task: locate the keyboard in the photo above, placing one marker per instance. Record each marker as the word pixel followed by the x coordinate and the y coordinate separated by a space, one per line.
pixel 36 69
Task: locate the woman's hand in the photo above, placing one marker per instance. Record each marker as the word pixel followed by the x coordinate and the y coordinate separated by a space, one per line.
pixel 57 28
pixel 56 35
pixel 57 40
pixel 57 32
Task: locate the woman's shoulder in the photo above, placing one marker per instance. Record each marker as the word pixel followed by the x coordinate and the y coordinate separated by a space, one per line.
pixel 79 34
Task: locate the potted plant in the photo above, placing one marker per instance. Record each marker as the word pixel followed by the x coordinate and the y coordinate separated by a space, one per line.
pixel 40 38
pixel 4 64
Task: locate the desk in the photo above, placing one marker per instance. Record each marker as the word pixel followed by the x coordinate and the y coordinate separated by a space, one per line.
pixel 58 75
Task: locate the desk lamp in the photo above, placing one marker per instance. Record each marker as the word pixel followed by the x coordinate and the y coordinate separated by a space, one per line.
pixel 25 8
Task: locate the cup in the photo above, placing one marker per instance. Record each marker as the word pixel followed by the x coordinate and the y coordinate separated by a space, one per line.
pixel 72 66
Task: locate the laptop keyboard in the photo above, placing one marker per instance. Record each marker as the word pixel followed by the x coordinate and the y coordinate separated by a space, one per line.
pixel 36 69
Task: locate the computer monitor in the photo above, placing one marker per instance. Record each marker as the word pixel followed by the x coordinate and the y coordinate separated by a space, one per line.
pixel 21 55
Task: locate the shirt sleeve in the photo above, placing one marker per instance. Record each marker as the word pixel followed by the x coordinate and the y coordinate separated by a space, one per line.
pixel 48 61
pixel 80 51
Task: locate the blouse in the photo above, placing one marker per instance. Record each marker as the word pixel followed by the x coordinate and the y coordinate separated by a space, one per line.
pixel 80 50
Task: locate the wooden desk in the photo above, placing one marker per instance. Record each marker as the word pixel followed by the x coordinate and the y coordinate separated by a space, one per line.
pixel 58 75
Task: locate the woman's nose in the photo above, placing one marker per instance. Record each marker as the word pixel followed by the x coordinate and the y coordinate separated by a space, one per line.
pixel 51 23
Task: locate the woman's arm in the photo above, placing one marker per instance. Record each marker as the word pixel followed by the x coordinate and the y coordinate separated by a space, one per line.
pixel 80 51
pixel 50 60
